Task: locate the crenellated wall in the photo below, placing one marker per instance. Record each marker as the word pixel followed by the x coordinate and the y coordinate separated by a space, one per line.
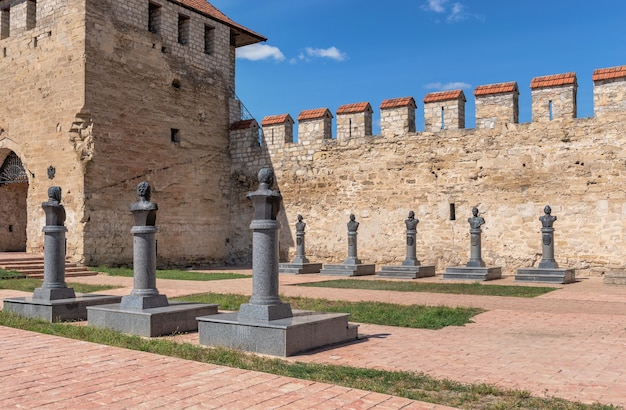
pixel 510 171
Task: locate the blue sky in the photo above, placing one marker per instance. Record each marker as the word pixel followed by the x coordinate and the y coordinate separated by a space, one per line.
pixel 326 53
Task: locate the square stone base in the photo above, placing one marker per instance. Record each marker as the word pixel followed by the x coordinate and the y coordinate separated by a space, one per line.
pixel 545 275
pixel 304 331
pixel 299 268
pixel 57 310
pixel 471 273
pixel 177 317
pixel 407 272
pixel 349 270
pixel 614 278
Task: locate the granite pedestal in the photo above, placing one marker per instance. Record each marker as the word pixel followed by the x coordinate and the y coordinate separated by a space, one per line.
pixel 300 264
pixel 411 267
pixel 357 269
pixel 151 322
pixel 57 310
pixel 299 268
pixel 407 272
pixel 266 324
pixel 475 268
pixel 546 275
pixel 614 278
pixel 473 273
pixel 303 331
pixel 54 301
pixel 548 270
pixel 146 312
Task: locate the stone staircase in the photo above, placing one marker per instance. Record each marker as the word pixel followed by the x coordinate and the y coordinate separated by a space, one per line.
pixel 32 267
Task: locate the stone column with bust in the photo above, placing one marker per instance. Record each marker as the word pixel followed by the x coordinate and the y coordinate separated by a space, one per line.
pixel 266 324
pixel 300 264
pixel 54 286
pixel 352 265
pixel 146 312
pixel 411 267
pixel 475 268
pixel 265 304
pixel 145 294
pixel 54 301
pixel 548 269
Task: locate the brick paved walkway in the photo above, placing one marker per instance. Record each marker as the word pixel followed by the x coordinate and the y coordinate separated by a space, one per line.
pixel 570 343
pixel 41 371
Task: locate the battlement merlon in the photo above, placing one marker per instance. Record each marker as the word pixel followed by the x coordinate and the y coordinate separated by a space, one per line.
pixel 444 110
pixel 278 129
pixel 609 90
pixel 397 116
pixel 553 98
pixel 314 126
pixel 496 103
pixel 354 120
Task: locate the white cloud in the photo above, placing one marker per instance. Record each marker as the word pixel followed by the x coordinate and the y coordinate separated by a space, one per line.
pixel 455 85
pixel 438 6
pixel 454 13
pixel 332 52
pixel 457 13
pixel 257 52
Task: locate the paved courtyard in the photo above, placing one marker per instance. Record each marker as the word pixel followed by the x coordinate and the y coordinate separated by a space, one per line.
pixel 570 343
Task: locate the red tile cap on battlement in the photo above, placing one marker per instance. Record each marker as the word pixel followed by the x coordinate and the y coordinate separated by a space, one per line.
pixel 244 124
pixel 553 80
pixel 498 88
pixel 609 73
pixel 398 102
pixel 277 119
pixel 246 36
pixel 314 114
pixel 444 96
pixel 354 108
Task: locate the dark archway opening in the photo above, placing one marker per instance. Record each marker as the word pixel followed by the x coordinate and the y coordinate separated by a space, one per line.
pixel 13 209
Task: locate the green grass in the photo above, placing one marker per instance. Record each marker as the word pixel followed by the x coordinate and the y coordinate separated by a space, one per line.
pixel 415 386
pixel 29 285
pixel 172 274
pixel 474 288
pixel 10 274
pixel 414 316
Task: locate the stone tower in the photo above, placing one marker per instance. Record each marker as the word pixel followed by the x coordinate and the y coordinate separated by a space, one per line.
pixel 100 94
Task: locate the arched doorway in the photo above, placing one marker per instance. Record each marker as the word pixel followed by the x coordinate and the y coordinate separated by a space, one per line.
pixel 13 196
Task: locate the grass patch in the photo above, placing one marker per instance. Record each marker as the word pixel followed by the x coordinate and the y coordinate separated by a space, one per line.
pixel 172 274
pixel 415 386
pixel 29 285
pixel 413 316
pixel 10 274
pixel 474 288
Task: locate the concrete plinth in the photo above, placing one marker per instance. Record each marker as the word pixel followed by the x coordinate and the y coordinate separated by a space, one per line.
pixel 305 330
pixel 174 318
pixel 545 275
pixel 299 268
pixel 57 310
pixel 349 270
pixel 407 272
pixel 614 278
pixel 473 273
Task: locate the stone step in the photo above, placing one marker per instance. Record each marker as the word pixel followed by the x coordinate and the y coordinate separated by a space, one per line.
pixel 33 267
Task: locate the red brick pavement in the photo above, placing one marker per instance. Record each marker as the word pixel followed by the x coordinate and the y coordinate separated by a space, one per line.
pixel 570 343
pixel 47 372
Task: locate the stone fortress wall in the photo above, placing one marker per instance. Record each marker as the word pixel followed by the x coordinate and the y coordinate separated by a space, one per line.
pixel 158 109
pixel 40 57
pixel 509 170
pixel 108 93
